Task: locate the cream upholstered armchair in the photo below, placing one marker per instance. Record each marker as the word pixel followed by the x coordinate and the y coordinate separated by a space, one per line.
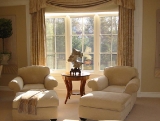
pixel 121 79
pixel 33 77
pixel 113 94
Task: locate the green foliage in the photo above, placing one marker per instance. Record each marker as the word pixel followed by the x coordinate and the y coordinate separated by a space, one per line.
pixel 5 28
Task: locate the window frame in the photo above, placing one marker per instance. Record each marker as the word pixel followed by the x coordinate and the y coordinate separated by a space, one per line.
pixel 68 31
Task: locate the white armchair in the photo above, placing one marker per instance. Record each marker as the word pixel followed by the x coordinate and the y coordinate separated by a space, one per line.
pixel 113 94
pixel 33 77
pixel 121 79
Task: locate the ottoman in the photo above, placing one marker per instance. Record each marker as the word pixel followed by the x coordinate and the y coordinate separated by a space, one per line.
pixel 99 105
pixel 46 107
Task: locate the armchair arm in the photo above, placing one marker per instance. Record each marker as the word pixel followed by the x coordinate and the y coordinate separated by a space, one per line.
pixel 132 86
pixel 16 84
pixel 98 83
pixel 50 82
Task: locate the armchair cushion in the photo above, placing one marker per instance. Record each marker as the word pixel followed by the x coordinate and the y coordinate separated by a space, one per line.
pixel 115 88
pixel 32 86
pixel 120 75
pixel 105 100
pixel 33 74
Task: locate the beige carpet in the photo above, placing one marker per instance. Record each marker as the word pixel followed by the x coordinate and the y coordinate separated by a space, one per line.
pixel 145 109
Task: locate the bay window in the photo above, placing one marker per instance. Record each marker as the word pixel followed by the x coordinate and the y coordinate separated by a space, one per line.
pixel 94 34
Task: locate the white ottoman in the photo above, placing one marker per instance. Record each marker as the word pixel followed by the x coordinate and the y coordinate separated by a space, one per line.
pixel 46 107
pixel 100 105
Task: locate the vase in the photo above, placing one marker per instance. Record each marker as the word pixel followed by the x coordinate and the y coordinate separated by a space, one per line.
pixel 5 58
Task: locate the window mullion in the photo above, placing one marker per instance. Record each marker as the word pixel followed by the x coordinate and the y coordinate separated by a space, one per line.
pixel 111 37
pixel 96 43
pixel 55 60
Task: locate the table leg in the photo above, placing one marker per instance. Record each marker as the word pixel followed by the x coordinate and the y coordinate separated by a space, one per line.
pixel 70 86
pixel 82 87
pixel 68 90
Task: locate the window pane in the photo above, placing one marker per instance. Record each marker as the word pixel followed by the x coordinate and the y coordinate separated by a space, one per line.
pixel 114 59
pixel 55 43
pixel 61 61
pixel 60 26
pixel 105 60
pixel 114 43
pixel 115 24
pixel 85 42
pixel 50 26
pixel 50 45
pixel 106 25
pixel 76 26
pixel 88 25
pixel 77 42
pixel 88 44
pixel 51 61
pixel 105 43
pixel 60 44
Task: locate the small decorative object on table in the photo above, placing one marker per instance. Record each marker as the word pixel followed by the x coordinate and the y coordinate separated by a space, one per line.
pixel 73 58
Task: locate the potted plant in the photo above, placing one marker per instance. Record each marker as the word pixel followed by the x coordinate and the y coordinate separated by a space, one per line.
pixel 5 32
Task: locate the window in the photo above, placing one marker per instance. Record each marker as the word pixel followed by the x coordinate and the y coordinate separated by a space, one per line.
pixel 95 35
pixel 83 39
pixel 55 42
pixel 108 41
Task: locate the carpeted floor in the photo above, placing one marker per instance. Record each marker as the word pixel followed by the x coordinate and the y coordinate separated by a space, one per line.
pixel 145 109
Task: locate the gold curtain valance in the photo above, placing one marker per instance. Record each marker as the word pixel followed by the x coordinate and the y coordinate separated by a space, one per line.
pixel 76 3
pixel 36 5
pixel 129 4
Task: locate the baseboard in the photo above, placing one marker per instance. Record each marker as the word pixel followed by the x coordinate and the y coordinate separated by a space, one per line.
pixel 149 94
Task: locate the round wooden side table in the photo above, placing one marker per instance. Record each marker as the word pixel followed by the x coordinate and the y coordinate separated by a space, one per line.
pixel 68 82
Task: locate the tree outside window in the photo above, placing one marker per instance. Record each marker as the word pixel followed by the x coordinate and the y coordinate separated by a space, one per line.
pixel 82 37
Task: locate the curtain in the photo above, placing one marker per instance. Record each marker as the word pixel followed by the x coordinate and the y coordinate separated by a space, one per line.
pixel 76 3
pixel 126 32
pixel 129 4
pixel 37 11
pixel 125 29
